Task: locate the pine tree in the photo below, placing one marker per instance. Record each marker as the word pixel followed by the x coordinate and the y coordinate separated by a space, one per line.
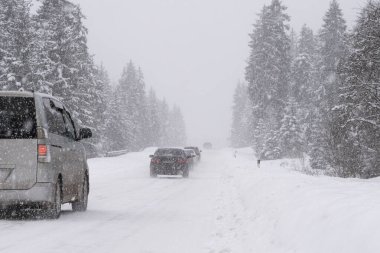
pixel 304 81
pixel 133 107
pixel 332 50
pixel 115 133
pixel 240 136
pixel 358 128
pixel 268 69
pixel 293 44
pixel 259 138
pixel 153 124
pixel 65 67
pixel 177 130
pixel 290 132
pixel 101 106
pixel 142 105
pixel 17 45
pixel 164 122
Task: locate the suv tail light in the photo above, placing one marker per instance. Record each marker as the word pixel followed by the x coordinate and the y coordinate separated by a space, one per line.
pixel 156 160
pixel 181 160
pixel 43 151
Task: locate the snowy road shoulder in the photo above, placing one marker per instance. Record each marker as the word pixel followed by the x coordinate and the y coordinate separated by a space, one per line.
pixel 293 212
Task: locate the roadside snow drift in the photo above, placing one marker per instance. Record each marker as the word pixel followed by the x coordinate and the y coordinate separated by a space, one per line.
pixel 227 205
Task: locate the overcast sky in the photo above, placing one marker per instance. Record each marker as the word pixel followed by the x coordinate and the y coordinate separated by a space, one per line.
pixel 192 52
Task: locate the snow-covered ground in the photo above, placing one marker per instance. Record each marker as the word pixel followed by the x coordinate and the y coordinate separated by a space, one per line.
pixel 227 205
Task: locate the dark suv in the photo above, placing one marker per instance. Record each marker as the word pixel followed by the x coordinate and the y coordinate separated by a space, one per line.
pixel 42 161
pixel 169 161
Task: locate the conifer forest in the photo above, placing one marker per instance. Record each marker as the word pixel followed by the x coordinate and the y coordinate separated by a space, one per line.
pixel 313 95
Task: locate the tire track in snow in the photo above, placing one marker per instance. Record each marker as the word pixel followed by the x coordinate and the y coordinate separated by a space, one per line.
pixel 231 232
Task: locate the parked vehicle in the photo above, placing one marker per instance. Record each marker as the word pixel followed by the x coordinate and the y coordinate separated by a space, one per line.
pixel 42 161
pixel 207 145
pixel 169 161
pixel 197 152
pixel 191 157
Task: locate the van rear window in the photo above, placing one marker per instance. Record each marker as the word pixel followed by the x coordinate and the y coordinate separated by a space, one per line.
pixel 17 118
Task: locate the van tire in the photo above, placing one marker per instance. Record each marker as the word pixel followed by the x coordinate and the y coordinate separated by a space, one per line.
pixel 81 204
pixel 54 210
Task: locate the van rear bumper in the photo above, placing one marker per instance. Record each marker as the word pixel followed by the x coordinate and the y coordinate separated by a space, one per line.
pixel 39 193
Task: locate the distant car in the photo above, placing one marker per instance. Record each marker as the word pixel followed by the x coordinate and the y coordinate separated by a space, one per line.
pixel 191 157
pixel 197 152
pixel 207 145
pixel 42 161
pixel 169 161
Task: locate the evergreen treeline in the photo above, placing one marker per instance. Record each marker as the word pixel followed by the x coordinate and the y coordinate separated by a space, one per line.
pixel 317 94
pixel 47 52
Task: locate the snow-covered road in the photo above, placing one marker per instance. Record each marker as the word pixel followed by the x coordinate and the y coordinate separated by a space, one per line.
pixel 227 205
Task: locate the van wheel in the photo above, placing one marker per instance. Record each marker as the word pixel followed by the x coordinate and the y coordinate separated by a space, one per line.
pixel 55 209
pixel 81 204
pixel 153 173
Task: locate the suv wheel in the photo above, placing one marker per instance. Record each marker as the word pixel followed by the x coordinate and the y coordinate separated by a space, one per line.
pixel 152 173
pixel 185 172
pixel 54 210
pixel 81 204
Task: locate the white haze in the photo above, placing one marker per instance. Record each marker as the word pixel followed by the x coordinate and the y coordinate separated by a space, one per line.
pixel 192 52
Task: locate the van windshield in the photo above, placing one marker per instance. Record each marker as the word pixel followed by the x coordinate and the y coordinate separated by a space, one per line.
pixel 17 118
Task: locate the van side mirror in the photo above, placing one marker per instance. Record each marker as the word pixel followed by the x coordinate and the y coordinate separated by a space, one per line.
pixel 85 133
pixel 151 156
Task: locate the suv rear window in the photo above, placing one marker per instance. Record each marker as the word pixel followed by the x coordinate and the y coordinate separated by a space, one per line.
pixel 169 152
pixel 17 118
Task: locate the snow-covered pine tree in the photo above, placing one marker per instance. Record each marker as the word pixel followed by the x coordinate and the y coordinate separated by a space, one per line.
pixel 164 123
pixel 153 125
pixel 292 143
pixel 177 130
pixel 332 50
pixel 293 44
pixel 133 107
pixel 241 116
pixel 259 138
pixel 359 106
pixel 268 70
pixel 115 126
pixel 303 81
pixel 128 110
pixel 17 45
pixel 101 106
pixel 65 66
pixel 142 103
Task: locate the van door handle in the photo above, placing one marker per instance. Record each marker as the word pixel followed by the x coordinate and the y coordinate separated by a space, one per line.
pixel 57 146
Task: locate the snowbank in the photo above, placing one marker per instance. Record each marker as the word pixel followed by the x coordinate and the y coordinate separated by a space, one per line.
pixel 292 212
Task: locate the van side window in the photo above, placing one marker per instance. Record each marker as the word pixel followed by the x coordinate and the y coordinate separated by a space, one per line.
pixel 70 130
pixel 54 118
